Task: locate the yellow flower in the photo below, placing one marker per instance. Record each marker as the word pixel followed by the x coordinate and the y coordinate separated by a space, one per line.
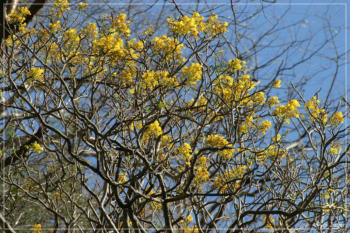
pixel 59 7
pixel 244 127
pixel 71 37
pixel 277 84
pixel 54 27
pixel 326 195
pixel 149 80
pixel 333 150
pixel 122 178
pixel 201 176
pixel 167 46
pixel 314 110
pixel 337 118
pixel 36 74
pixel 227 177
pixel 294 103
pixel 188 25
pixel 90 30
pixel 36 228
pixel 186 151
pixel 36 147
pixel 195 24
pixel 235 65
pixel 127 76
pixel 202 161
pixel 226 153
pixel 155 129
pixel 193 73
pixel 273 100
pixel 328 207
pixel 121 25
pixel 264 126
pixel 277 138
pixel 19 15
pixel 288 110
pixel 259 97
pixel 110 45
pixel 82 5
pixel 166 140
pixel 58 196
pixel 216 140
pixel 269 222
pixel 189 218
pixel 214 26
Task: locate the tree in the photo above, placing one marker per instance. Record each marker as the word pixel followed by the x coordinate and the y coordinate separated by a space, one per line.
pixel 111 127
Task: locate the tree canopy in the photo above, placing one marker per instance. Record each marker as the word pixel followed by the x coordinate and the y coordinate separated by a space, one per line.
pixel 112 126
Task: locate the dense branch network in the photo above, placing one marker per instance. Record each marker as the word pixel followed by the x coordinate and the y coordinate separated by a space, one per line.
pixel 160 129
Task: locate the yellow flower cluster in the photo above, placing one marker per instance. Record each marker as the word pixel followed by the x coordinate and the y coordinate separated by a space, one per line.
pixel 137 45
pixel 122 178
pixel 224 87
pixel 190 230
pixel 168 46
pixel 154 204
pixel 235 65
pixel 72 38
pixel 90 30
pixel 328 207
pixel 120 25
pixel 277 84
pixel 166 140
pixel 226 153
pixel 246 124
pixel 186 151
pixel 200 105
pixel 221 182
pixel 215 26
pixel 55 27
pixel 36 228
pixel 201 172
pixel 315 111
pixel 202 161
pixel 36 147
pixel 333 150
pixel 219 141
pixel 269 221
pixel 36 74
pixel 152 79
pixel 195 24
pixel 152 130
pixel 336 119
pixel 59 7
pixel 19 15
pixel 273 101
pixel 264 126
pixel 57 196
pixel 258 98
pixel 126 76
pixel 82 5
pixel 271 152
pixel 287 111
pixel 188 25
pixel 201 175
pixel 110 45
pixel 12 40
pixel 216 140
pixel 192 73
pixel 232 90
